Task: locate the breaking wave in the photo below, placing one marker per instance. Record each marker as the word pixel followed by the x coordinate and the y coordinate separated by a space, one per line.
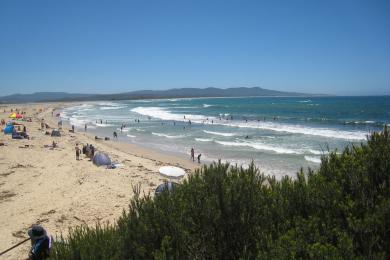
pixel 219 133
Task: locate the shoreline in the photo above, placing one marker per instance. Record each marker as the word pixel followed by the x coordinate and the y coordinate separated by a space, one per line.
pixel 40 185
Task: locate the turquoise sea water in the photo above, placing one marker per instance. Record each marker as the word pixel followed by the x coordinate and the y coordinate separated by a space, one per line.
pixel 279 134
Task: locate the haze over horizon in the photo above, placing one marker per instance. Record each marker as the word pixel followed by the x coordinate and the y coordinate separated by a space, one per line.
pixel 330 47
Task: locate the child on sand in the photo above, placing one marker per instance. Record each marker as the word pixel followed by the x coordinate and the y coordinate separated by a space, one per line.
pixel 40 243
pixel 199 157
pixel 77 152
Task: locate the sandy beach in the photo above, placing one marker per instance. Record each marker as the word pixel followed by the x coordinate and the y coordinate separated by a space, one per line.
pixel 42 185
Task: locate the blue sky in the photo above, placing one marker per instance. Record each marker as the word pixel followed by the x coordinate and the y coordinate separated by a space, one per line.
pixel 336 47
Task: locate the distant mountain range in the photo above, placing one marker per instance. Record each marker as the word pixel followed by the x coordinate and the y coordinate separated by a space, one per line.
pixel 149 94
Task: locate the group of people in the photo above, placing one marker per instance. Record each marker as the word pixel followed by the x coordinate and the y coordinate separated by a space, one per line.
pixel 193 155
pixel 88 150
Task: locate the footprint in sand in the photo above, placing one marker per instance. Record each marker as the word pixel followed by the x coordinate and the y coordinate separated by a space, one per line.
pixel 6 195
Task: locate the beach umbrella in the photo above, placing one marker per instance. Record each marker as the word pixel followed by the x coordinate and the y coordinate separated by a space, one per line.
pixel 167 186
pixel 101 158
pixel 172 171
pixel 18 116
pixel 13 115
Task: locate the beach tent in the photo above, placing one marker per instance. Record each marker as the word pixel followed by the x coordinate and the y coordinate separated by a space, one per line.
pixel 172 171
pixel 100 159
pixel 13 115
pixel 55 132
pixel 9 129
pixel 19 116
pixel 169 186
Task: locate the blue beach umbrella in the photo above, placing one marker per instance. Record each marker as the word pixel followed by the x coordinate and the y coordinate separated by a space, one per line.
pixel 101 158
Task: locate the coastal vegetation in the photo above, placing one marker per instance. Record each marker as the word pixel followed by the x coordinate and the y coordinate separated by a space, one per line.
pixel 340 211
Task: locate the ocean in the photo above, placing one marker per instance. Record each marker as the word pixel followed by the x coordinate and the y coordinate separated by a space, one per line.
pixel 280 134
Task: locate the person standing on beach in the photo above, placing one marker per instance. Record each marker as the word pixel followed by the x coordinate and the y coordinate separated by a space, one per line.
pixel 199 157
pixel 73 128
pixel 115 135
pixel 85 127
pixel 92 151
pixel 77 152
pixel 192 154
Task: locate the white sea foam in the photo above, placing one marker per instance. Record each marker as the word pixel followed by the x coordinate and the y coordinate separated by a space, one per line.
pixel 207 105
pixel 313 159
pixel 316 152
pixel 103 125
pixel 112 108
pixel 77 122
pixel 123 130
pixel 261 146
pixel 132 136
pixel 165 114
pixel 110 104
pixel 219 133
pixel 304 101
pixel 168 136
pixel 82 106
pixel 80 122
pixel 203 139
pixel 300 129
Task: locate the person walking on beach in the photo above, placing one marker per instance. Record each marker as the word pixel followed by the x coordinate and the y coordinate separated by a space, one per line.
pixel 192 154
pixel 92 151
pixel 115 135
pixel 77 152
pixel 73 128
pixel 85 127
pixel 199 157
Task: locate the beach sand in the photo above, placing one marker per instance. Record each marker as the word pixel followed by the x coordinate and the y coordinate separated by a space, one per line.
pixel 50 187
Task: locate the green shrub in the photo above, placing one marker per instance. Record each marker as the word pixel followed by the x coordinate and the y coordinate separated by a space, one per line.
pixel 340 211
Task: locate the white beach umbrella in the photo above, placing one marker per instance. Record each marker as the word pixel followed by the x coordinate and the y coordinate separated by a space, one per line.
pixel 172 171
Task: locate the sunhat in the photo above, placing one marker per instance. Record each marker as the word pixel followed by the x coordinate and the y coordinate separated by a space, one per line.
pixel 36 232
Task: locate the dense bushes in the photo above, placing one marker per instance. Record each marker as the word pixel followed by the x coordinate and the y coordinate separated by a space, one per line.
pixel 221 212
